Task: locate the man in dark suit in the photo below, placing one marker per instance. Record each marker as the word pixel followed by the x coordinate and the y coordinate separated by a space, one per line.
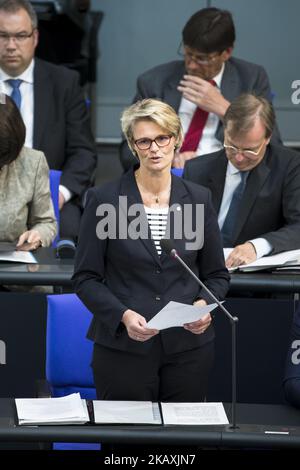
pixel 52 106
pixel 255 185
pixel 208 79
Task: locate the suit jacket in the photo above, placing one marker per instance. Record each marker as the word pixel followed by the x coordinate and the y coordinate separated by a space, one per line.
pixel 161 82
pixel 62 126
pixel 115 274
pixel 25 198
pixel 270 206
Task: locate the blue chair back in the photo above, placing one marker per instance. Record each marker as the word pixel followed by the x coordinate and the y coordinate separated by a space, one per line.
pixel 54 178
pixel 68 352
pixel 177 171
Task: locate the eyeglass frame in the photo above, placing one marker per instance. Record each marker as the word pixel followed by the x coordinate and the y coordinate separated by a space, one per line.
pixel 209 60
pixel 153 140
pixel 19 38
pixel 243 151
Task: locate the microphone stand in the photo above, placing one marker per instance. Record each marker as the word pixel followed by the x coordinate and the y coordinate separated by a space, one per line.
pixel 233 322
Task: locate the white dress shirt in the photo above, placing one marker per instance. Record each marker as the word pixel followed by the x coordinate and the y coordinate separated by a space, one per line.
pixel 208 143
pixel 233 179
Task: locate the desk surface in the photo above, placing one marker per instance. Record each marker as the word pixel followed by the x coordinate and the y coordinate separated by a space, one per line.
pixel 255 422
pixel 58 272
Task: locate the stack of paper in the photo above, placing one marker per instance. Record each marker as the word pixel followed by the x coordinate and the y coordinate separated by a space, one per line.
pixel 64 410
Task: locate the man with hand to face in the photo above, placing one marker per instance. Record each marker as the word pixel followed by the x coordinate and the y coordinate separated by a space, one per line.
pixel 255 184
pixel 202 85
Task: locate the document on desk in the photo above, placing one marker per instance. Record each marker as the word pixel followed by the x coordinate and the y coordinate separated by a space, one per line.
pixel 129 412
pixel 177 314
pixel 284 259
pixel 194 413
pixel 17 256
pixel 70 409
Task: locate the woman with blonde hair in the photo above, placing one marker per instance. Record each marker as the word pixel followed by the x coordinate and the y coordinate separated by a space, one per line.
pixel 124 278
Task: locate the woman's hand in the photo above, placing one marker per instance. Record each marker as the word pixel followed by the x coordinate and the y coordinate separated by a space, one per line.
pixel 136 326
pixel 29 240
pixel 200 326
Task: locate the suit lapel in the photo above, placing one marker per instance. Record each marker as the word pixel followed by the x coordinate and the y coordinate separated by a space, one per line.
pixel 42 100
pixel 130 190
pixel 255 182
pixel 172 96
pixel 216 181
pixel 178 198
pixel 230 89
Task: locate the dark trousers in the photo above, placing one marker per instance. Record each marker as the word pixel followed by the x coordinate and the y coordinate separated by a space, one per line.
pixel 180 377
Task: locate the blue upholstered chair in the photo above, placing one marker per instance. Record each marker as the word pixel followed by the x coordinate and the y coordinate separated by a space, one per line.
pixel 177 171
pixel 69 354
pixel 68 351
pixel 54 178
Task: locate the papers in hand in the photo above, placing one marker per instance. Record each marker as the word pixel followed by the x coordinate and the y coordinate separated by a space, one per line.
pixel 194 413
pixel 121 412
pixel 63 410
pixel 177 314
pixel 284 259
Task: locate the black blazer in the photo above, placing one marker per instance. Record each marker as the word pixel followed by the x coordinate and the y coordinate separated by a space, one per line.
pixel 113 275
pixel 62 126
pixel 161 82
pixel 270 206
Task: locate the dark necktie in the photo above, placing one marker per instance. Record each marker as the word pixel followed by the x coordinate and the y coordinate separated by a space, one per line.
pixel 195 130
pixel 16 94
pixel 231 216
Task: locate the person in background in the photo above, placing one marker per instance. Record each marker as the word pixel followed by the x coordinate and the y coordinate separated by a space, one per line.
pixel 255 184
pixel 202 85
pixel 52 106
pixel 26 211
pixel 291 382
pixel 125 280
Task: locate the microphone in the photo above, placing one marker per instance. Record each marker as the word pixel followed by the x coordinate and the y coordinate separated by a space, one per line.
pixel 168 248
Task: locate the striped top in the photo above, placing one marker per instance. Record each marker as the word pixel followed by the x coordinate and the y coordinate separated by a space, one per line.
pixel 157 220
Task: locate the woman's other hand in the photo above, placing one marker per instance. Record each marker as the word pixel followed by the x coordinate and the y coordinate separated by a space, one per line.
pixel 136 326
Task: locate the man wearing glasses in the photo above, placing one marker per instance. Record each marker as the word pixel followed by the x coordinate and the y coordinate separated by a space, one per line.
pixel 201 86
pixel 52 106
pixel 255 184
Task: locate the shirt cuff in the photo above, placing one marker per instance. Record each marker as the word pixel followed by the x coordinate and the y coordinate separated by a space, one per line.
pixel 262 247
pixel 67 194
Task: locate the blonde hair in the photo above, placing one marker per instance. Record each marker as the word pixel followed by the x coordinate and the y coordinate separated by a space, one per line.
pixel 154 111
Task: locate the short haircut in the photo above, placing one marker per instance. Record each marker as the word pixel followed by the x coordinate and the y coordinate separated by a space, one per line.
pixel 154 111
pixel 12 6
pixel 12 131
pixel 209 30
pixel 243 111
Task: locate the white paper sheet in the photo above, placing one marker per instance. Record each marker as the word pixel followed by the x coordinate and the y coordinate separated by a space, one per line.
pixel 177 314
pixel 194 413
pixel 18 257
pixel 130 412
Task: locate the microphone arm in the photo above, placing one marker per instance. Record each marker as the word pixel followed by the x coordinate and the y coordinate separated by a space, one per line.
pixel 166 246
